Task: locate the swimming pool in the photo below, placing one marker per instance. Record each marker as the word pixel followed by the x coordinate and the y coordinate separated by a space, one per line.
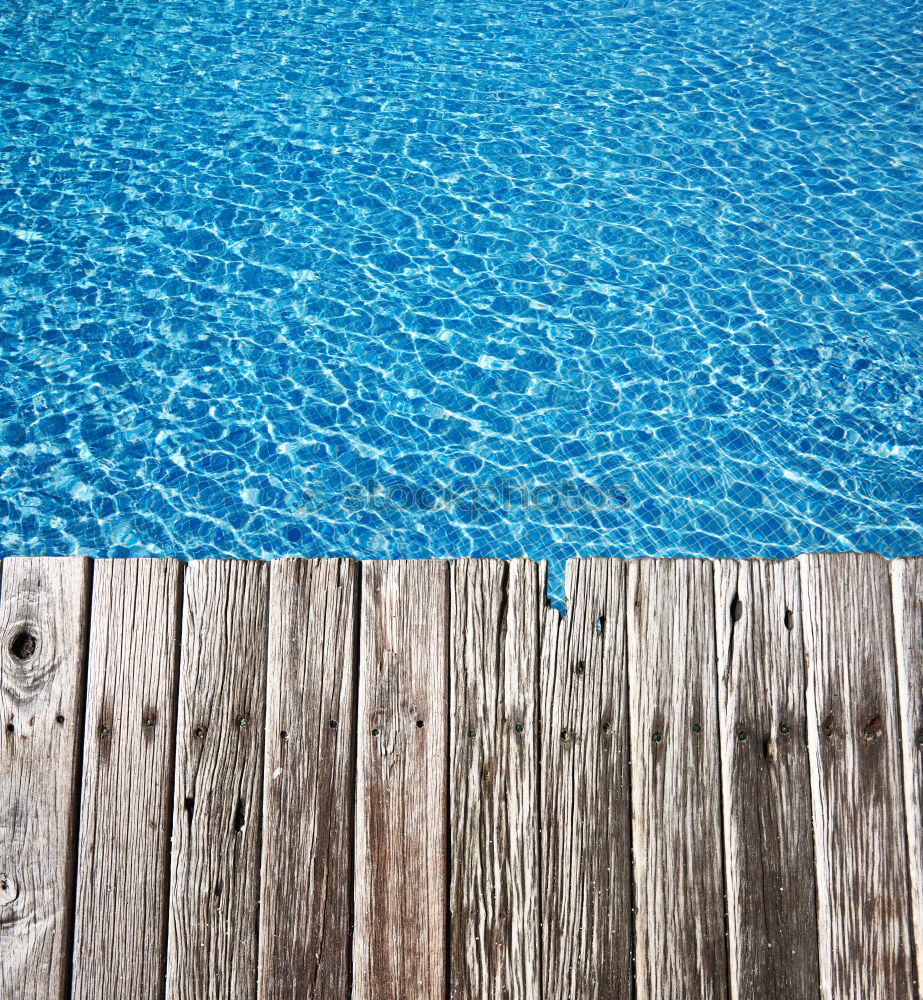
pixel 470 278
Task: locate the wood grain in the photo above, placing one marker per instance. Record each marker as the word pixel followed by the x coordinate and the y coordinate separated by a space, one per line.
pixel 495 615
pixel 769 851
pixel 857 796
pixel 585 788
pixel 907 593
pixel 772 712
pixel 399 945
pixel 122 875
pixel 676 781
pixel 309 780
pixel 44 605
pixel 215 885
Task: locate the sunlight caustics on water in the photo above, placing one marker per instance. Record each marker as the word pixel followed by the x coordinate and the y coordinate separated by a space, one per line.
pixel 469 278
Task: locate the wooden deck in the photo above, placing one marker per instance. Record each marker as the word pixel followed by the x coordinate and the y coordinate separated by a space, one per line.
pixel 416 780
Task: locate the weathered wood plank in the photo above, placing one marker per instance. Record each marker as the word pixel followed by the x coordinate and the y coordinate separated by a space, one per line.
pixel 907 591
pixel 309 780
pixel 399 944
pixel 495 615
pixel 215 884
pixel 769 851
pixel 122 873
pixel 676 781
pixel 585 789
pixel 857 797
pixel 43 629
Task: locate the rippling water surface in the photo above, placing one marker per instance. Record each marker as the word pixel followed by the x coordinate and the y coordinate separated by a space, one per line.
pixel 468 278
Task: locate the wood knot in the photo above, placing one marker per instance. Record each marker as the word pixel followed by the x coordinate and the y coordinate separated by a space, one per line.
pixel 22 645
pixel 829 727
pixel 9 889
pixel 873 728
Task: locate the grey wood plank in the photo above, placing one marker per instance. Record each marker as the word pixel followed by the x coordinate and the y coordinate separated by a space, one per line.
pixel 215 884
pixel 676 781
pixel 44 620
pixel 769 850
pixel 401 888
pixel 126 799
pixel 496 609
pixel 907 592
pixel 857 797
pixel 309 780
pixel 585 789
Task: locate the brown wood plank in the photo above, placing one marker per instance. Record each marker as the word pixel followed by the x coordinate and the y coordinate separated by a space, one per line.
pixel 676 781
pixel 215 884
pixel 401 888
pixel 126 801
pixel 44 622
pixel 308 780
pixel 907 591
pixel 495 615
pixel 769 850
pixel 853 739
pixel 585 789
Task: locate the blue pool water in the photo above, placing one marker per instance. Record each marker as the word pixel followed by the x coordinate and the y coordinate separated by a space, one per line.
pixel 453 278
